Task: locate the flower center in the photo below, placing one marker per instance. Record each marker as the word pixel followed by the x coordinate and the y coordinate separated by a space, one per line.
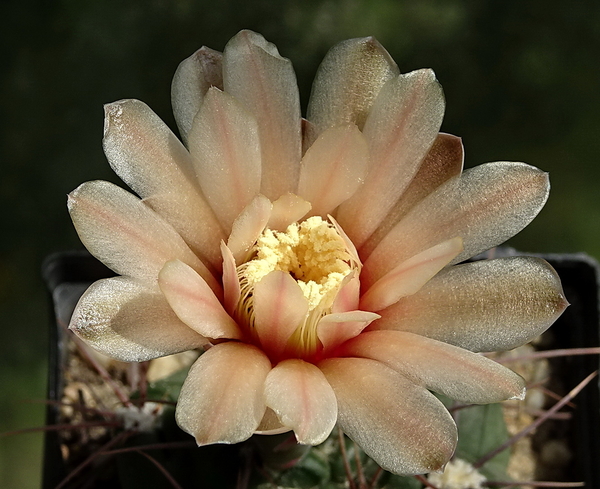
pixel 316 256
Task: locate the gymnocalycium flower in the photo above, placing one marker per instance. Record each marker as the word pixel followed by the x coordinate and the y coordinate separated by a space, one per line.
pixel 317 261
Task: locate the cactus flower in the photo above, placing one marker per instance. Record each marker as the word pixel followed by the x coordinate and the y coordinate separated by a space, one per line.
pixel 317 260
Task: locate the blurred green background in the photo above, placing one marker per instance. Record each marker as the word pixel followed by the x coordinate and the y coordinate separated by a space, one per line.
pixel 522 83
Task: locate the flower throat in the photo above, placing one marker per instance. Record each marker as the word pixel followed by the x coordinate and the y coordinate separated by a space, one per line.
pixel 316 256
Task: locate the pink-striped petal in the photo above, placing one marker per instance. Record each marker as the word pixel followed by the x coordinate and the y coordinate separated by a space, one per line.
pixel 225 149
pixel 265 83
pixel 350 248
pixel 231 282
pixel 303 400
pixel 348 81
pixel 440 367
pixel 485 206
pixel 333 329
pixel 349 295
pixel 482 306
pixel 222 399
pixel 131 322
pixel 279 308
pixel 399 424
pixel 192 79
pixel 247 227
pixel 143 151
pixel 287 209
pixel 444 161
pixel 195 303
pixel 333 168
pixel 408 277
pixel 401 127
pixel 126 235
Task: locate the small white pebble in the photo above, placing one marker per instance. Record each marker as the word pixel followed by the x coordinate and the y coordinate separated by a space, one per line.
pixel 458 474
pixel 140 419
pixel 535 399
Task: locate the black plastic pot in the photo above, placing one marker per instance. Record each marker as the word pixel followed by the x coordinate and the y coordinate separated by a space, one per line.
pixel 579 327
pixel 68 274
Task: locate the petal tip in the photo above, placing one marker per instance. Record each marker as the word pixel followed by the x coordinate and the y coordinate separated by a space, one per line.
pixel 112 113
pixel 520 396
pixel 440 470
pixel 71 200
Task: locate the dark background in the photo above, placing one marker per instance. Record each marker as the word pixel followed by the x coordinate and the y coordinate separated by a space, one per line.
pixel 521 81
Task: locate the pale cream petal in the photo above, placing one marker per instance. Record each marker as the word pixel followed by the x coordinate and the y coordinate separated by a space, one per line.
pixel 399 424
pixel 231 282
pixel 225 150
pixel 303 400
pixel 482 306
pixel 247 227
pixel 222 399
pixel 130 322
pixel 192 79
pixel 440 367
pixel 348 81
pixel 279 308
pixel 401 127
pixel 265 83
pixel 143 151
pixel 444 161
pixel 287 209
pixel 410 275
pixel 333 168
pixel 195 303
pixel 126 235
pixel 485 206
pixel 333 329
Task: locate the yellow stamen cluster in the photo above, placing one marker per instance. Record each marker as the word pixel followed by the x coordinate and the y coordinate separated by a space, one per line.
pixel 314 254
